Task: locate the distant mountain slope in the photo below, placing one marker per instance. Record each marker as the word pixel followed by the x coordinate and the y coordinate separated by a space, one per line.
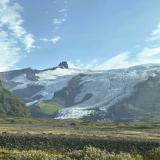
pixel 80 93
pixel 99 90
pixel 32 85
pixel 143 103
pixel 10 105
pixel 44 109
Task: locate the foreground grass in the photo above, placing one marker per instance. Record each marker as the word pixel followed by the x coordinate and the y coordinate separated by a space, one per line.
pixel 48 139
pixel 88 153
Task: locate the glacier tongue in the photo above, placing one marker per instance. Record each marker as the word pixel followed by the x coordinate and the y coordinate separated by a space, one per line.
pixel 73 113
pixel 55 80
pixel 107 88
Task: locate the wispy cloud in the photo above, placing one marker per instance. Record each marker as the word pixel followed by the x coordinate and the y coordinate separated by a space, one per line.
pixel 29 41
pixel 119 61
pixel 9 53
pixel 53 40
pixel 148 54
pixel 58 21
pixel 56 39
pixel 64 10
pixel 123 60
pixel 155 35
pixel 12 35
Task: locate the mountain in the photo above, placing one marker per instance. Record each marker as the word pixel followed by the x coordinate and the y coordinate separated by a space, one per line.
pixel 143 103
pixel 69 92
pixel 33 85
pixel 10 105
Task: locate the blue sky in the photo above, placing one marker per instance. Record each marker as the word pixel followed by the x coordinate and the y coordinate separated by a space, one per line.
pixel 99 34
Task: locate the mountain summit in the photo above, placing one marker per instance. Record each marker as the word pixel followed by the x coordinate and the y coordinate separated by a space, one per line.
pixel 63 65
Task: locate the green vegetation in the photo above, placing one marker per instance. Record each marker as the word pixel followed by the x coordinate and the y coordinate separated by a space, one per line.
pixel 70 142
pixel 134 130
pixel 10 105
pixel 49 139
pixel 88 153
pixel 45 108
pixel 153 154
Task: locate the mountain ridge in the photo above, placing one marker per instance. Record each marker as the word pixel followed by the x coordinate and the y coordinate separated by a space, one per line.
pixel 80 92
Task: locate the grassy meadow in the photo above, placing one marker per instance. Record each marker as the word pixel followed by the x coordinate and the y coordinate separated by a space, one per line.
pixel 48 139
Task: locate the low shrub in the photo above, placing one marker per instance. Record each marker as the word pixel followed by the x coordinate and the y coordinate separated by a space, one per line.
pixel 91 153
pixel 153 155
pixel 36 155
pixel 60 143
pixel 88 153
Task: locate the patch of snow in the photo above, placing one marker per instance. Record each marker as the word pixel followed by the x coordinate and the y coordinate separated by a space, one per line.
pixel 51 86
pixel 31 103
pixel 54 74
pixel 55 80
pixel 22 80
pixel 73 113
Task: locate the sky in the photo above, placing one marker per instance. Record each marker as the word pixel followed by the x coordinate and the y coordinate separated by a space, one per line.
pixel 91 34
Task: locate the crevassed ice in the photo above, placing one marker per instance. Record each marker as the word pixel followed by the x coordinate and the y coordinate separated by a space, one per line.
pixel 73 113
pixel 108 88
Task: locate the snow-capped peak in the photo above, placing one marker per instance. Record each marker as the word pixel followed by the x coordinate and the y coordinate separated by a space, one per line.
pixel 58 72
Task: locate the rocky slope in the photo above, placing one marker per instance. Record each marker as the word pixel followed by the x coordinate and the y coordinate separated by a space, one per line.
pixel 143 103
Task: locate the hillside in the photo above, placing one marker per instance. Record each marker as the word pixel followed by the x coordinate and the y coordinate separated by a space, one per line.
pixel 44 109
pixel 10 105
pixel 143 103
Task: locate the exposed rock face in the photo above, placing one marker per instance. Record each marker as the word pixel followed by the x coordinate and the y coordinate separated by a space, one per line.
pixel 63 65
pixel 66 96
pixel 29 93
pixel 30 74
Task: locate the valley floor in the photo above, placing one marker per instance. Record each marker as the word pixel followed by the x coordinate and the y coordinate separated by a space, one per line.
pixel 67 138
pixel 131 130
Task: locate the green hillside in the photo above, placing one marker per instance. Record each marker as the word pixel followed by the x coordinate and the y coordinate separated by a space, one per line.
pixel 10 105
pixel 44 108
